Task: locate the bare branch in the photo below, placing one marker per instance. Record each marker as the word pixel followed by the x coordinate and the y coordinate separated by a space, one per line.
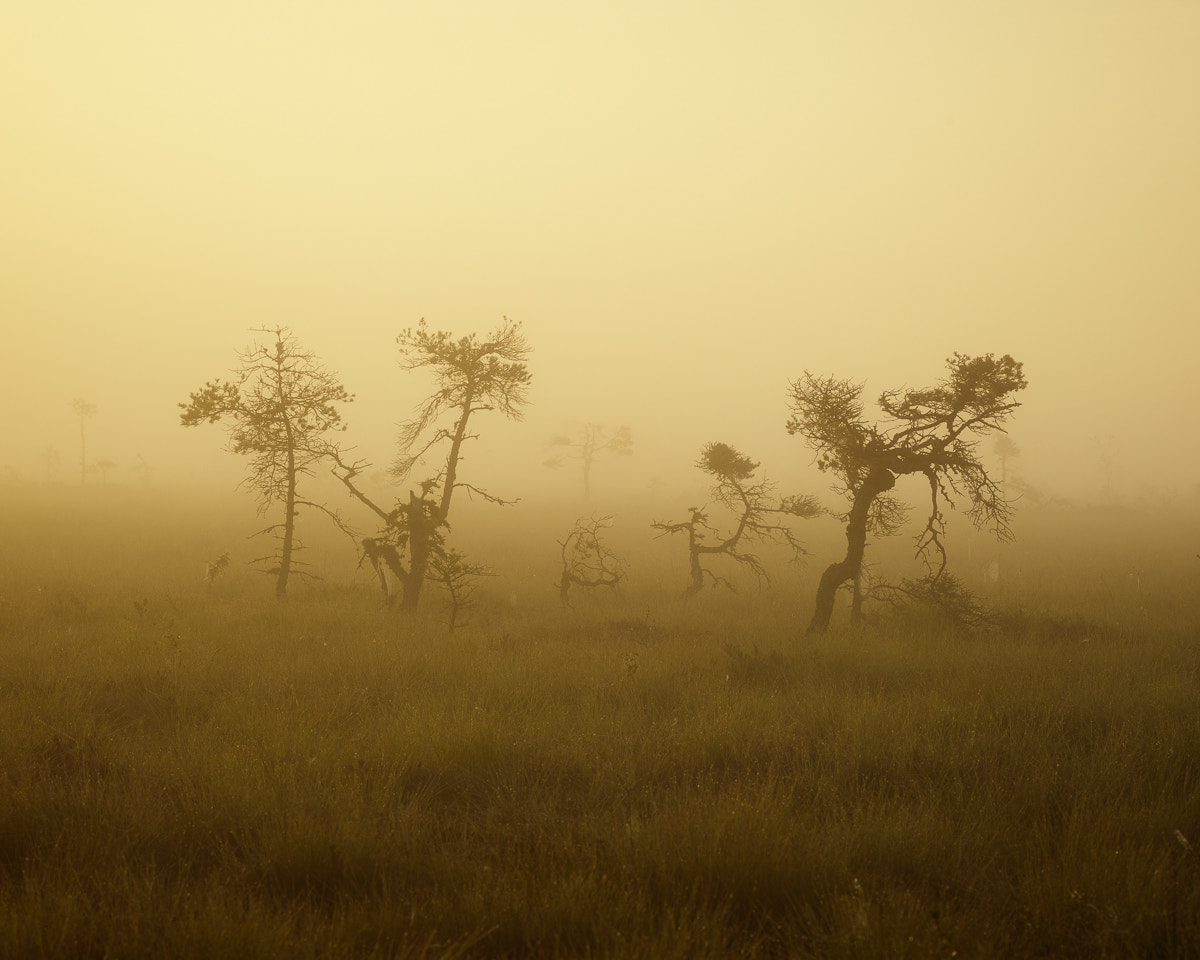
pixel 586 559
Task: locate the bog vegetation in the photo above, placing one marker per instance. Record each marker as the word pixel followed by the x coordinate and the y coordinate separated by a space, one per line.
pixel 522 765
pixel 191 769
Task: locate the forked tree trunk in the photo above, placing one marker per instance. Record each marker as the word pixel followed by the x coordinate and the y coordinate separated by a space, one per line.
pixel 697 575
pixel 878 481
pixel 421 531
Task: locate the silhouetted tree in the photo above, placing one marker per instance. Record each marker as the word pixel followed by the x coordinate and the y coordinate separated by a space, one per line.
pixel 1006 452
pixel 586 559
pixel 1106 454
pixel 50 460
pixel 753 506
pixel 214 568
pixel 279 410
pixel 930 432
pixel 587 446
pixel 142 469
pixel 103 466
pixel 84 410
pixel 470 377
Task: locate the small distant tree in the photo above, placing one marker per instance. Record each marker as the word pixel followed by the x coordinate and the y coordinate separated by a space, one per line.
pixel 142 469
pixel 50 460
pixel 214 568
pixel 279 410
pixel 1006 452
pixel 85 411
pixel 758 516
pixel 930 432
pixel 588 445
pixel 103 467
pixel 460 578
pixel 471 376
pixel 1106 454
pixel 586 558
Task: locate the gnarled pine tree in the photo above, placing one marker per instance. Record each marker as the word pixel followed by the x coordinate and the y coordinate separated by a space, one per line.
pixel 931 432
pixel 471 376
pixel 758 516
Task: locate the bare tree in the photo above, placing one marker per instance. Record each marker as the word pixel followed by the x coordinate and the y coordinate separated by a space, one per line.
pixel 85 411
pixel 103 467
pixel 587 445
pixel 586 559
pixel 930 432
pixel 279 410
pixel 753 505
pixel 470 376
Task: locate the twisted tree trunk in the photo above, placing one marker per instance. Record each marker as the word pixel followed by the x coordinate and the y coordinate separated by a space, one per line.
pixel 879 480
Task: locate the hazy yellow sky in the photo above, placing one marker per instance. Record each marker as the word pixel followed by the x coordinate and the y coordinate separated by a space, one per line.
pixel 686 204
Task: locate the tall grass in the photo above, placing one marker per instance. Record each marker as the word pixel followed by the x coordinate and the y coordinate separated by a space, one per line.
pixel 195 774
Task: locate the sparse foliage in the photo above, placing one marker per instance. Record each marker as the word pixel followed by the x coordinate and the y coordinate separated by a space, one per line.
pixel 586 559
pixel 758 516
pixel 470 376
pixel 930 432
pixel 587 445
pixel 279 410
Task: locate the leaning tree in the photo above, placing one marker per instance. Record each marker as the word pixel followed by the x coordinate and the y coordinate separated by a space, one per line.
pixel 471 376
pixel 279 409
pixel 757 516
pixel 931 432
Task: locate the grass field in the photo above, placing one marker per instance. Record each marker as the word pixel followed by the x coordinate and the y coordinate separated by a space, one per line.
pixel 193 773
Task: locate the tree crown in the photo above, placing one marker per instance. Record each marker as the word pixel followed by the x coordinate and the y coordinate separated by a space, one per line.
pixel 471 375
pixel 280 404
pixel 929 431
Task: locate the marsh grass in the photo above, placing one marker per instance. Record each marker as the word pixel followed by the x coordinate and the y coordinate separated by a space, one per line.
pixel 195 775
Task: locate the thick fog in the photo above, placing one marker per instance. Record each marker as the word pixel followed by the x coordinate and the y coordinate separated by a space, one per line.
pixel 685 205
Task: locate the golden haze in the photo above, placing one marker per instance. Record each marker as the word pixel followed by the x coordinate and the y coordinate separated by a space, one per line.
pixel 686 205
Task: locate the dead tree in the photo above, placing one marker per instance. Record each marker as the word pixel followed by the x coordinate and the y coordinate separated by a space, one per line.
pixel 586 559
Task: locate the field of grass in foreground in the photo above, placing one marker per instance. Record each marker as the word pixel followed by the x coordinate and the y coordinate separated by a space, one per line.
pixel 194 776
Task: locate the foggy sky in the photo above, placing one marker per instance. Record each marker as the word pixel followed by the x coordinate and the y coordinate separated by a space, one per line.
pixel 686 205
